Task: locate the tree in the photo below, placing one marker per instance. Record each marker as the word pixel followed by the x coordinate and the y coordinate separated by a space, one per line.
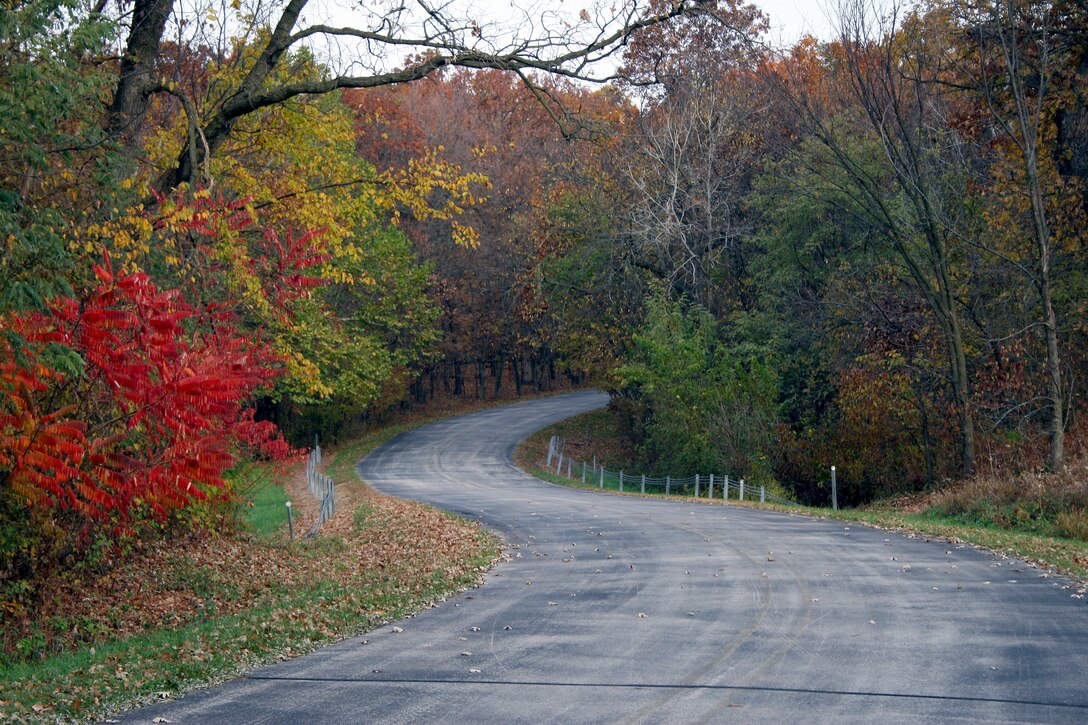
pixel 137 411
pixel 439 38
pixel 885 121
pixel 689 174
pixel 705 409
pixel 1014 66
pixel 498 315
pixel 49 88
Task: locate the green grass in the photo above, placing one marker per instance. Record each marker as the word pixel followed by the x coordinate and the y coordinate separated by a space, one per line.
pixel 1064 555
pixel 266 511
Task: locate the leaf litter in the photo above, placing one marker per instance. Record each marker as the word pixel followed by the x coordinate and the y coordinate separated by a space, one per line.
pixel 240 600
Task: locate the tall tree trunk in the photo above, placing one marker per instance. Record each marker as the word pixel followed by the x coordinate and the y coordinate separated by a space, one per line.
pixel 903 112
pixel 136 72
pixel 1025 127
pixel 498 365
pixel 534 367
pixel 1055 390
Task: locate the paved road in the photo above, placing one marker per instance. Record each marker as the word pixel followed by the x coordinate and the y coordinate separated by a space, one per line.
pixel 618 609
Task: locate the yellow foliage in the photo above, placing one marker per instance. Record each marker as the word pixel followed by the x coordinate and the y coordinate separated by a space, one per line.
pixel 296 167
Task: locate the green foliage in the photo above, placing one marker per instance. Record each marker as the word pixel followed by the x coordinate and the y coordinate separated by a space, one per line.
pixel 703 408
pixel 591 291
pixel 50 88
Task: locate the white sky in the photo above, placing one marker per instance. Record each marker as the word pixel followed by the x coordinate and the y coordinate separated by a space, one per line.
pixel 791 19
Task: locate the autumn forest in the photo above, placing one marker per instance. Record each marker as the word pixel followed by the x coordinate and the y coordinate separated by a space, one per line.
pixel 230 226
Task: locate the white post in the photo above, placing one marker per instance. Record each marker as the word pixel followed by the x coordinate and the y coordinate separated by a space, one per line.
pixel 834 491
pixel 762 494
pixel 742 489
pixel 570 467
pixel 668 484
pixel 725 488
pixel 621 481
pixel 710 489
pixel 643 488
pixel 602 476
pixel 583 471
pixel 696 485
pixel 559 464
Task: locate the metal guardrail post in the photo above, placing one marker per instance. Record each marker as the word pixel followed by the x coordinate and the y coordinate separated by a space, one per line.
pixel 742 489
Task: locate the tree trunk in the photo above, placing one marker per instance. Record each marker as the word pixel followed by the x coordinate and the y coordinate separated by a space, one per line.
pixel 1055 460
pixel 1026 127
pixel 136 71
pixel 538 381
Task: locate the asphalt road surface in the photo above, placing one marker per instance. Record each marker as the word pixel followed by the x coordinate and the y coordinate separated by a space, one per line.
pixel 621 609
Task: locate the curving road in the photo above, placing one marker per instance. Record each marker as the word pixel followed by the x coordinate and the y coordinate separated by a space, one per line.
pixel 619 609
